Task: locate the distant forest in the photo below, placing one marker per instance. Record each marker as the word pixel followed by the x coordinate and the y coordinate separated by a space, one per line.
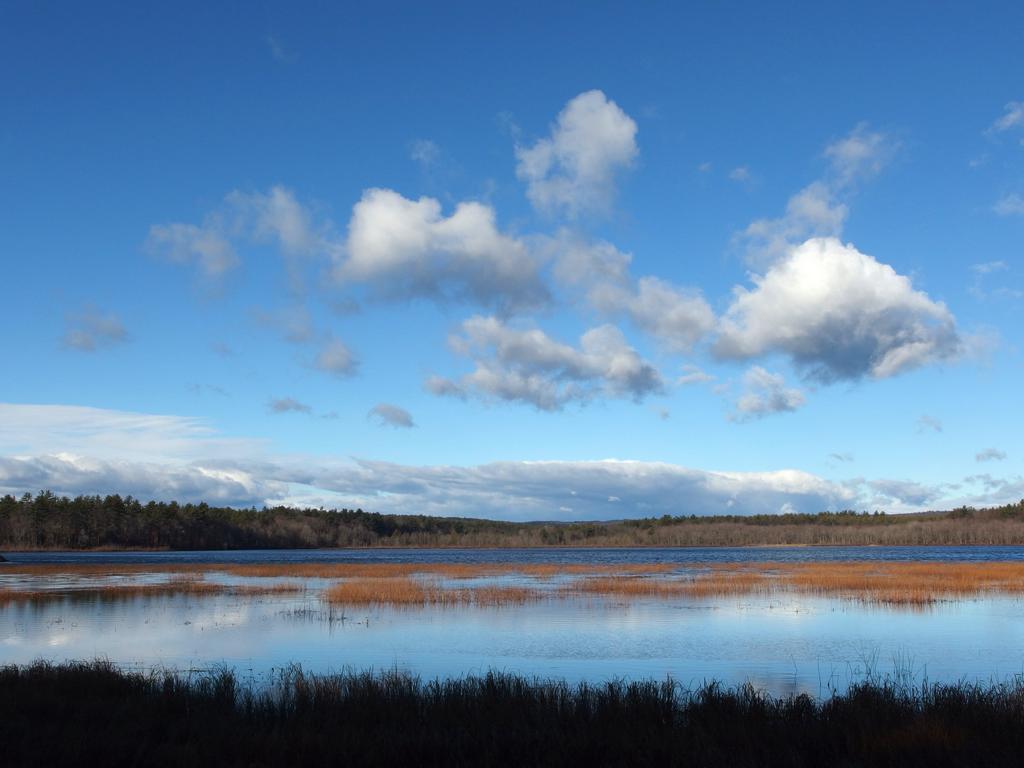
pixel 49 521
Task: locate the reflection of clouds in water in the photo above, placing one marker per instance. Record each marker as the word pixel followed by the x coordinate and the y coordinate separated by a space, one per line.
pixel 784 645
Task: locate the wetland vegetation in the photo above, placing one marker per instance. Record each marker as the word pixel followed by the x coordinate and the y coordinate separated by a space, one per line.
pixel 51 714
pixel 463 584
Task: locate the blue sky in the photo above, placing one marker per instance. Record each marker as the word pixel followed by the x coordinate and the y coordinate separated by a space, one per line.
pixel 582 261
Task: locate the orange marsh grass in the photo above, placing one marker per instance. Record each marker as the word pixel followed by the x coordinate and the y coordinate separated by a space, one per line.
pixel 899 583
pixel 409 592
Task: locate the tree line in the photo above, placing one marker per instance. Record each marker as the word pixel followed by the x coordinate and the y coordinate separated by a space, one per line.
pixel 50 521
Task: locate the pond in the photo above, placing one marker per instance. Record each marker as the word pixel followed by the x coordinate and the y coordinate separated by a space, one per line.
pixel 784 642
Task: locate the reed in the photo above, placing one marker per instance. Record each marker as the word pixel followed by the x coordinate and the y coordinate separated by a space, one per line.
pixel 710 585
pixel 409 592
pixel 94 714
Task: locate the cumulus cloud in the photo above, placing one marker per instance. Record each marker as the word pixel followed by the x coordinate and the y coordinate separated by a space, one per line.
pixel 678 317
pixel 990 454
pixel 407 248
pixel 819 209
pixel 390 415
pixel 92 329
pixel 838 314
pixel 529 366
pixel 573 170
pixel 336 358
pixel 766 393
pixel 288 405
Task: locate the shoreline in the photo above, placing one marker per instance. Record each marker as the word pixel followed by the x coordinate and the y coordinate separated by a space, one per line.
pixel 481 548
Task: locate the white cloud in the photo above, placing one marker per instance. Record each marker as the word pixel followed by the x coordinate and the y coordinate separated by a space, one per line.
pixel 425 153
pixel 529 366
pixel 819 209
pixel 740 173
pixel 93 329
pixel 207 246
pixel 838 314
pixel 573 170
pixel 387 414
pixel 1010 205
pixel 928 424
pixel 277 216
pixel 406 248
pixel 527 490
pixel 677 317
pixel 904 493
pixel 109 434
pixel 693 375
pixel 990 454
pixel 247 217
pixel 860 154
pixel 336 358
pixel 172 457
pixel 73 449
pixel 71 474
pixel 988 267
pixel 1012 117
pixel 766 393
pixel 288 405
pixel 294 323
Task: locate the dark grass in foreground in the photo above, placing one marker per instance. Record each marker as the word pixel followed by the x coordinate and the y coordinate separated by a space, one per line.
pixel 92 714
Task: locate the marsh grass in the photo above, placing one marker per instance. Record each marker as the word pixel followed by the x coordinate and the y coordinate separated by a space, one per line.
pixel 405 591
pixel 909 584
pixel 93 714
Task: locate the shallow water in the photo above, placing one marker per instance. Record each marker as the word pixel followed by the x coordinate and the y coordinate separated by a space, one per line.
pixel 785 644
pixel 569 555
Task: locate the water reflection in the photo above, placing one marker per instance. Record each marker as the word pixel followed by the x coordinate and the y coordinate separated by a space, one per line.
pixel 785 644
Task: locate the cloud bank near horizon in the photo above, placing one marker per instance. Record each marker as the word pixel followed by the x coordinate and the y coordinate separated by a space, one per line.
pixel 74 450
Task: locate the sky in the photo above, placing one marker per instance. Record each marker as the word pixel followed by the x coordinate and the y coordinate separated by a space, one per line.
pixel 552 261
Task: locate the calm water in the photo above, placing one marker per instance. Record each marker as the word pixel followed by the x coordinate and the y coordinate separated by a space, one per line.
pixel 783 644
pixel 602 555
